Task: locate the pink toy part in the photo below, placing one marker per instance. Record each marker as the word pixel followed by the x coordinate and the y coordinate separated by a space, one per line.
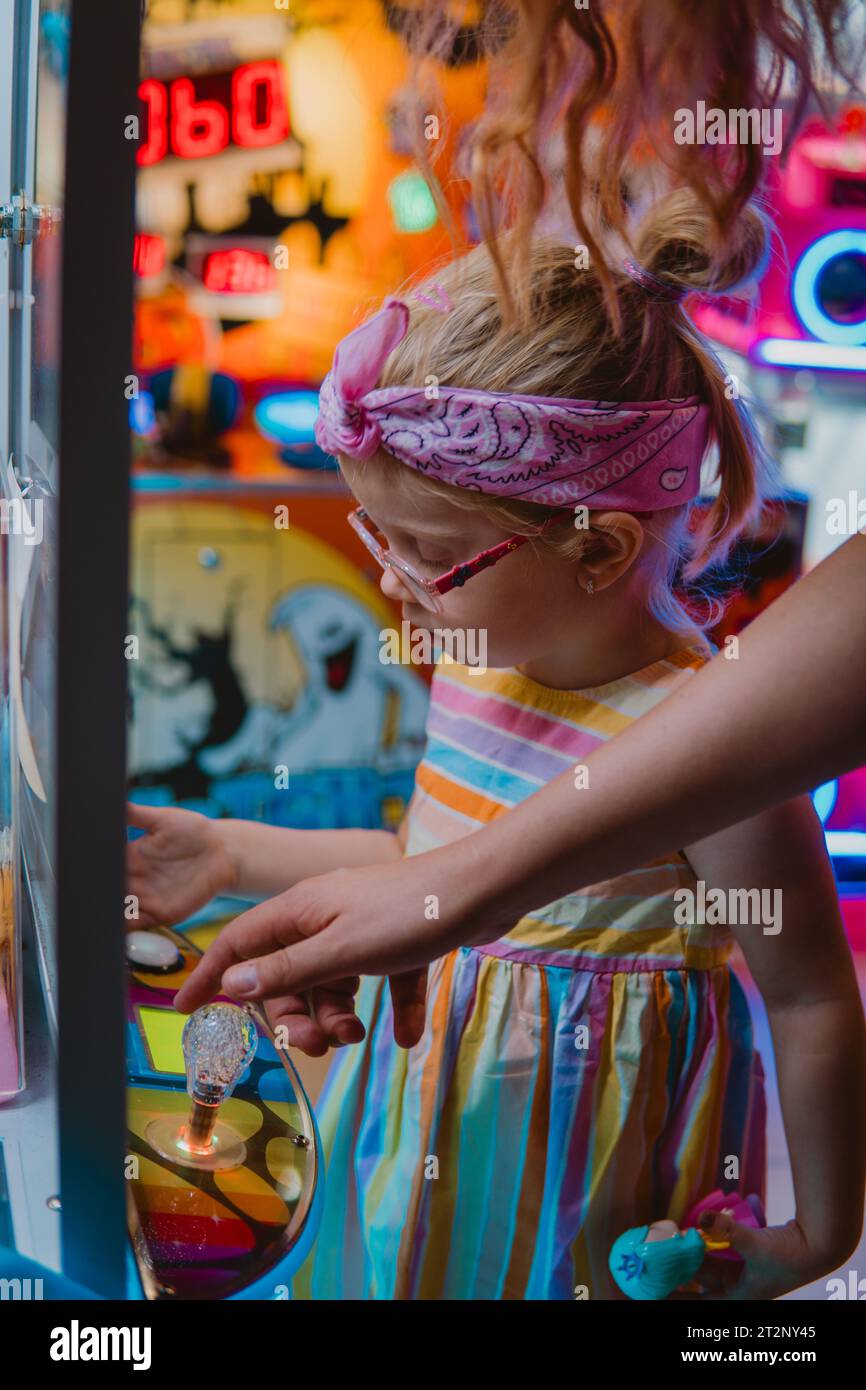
pixel 747 1210
pixel 631 456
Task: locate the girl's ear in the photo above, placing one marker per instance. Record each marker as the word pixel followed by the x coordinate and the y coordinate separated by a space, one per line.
pixel 612 545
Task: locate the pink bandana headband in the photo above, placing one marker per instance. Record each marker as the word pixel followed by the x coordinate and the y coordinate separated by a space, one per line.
pixel 626 456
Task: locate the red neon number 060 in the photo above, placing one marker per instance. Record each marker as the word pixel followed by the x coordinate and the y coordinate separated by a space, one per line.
pixel 247 83
pixel 199 129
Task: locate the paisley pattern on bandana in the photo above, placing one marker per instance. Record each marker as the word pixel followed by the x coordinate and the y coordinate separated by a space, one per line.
pixel 640 456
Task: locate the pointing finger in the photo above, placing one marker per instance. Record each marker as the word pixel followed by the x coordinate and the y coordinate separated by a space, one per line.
pixel 272 974
pixel 254 933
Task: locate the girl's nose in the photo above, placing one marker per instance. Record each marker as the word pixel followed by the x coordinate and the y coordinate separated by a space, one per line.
pixel 394 588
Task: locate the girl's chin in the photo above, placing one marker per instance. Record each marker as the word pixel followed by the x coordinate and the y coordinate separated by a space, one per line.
pixel 419 617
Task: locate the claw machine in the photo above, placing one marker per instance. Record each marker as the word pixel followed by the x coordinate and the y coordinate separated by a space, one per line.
pixel 65 334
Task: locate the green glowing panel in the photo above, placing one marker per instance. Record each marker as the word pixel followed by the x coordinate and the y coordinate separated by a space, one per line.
pixel 162 1030
pixel 412 204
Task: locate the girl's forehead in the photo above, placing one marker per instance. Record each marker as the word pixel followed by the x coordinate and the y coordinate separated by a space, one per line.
pixel 391 498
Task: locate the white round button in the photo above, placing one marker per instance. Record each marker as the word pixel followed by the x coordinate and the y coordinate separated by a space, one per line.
pixel 152 951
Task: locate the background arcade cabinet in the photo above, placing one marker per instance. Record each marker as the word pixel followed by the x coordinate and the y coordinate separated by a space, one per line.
pixel 270 219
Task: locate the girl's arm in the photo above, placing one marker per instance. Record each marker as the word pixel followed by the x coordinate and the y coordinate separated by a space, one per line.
pixel 184 859
pixel 799 958
pixel 268 859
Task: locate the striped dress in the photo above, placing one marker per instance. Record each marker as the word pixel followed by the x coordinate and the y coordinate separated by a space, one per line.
pixel 591 1071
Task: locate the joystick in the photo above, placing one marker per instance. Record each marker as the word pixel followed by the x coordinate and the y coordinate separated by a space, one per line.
pixel 219 1042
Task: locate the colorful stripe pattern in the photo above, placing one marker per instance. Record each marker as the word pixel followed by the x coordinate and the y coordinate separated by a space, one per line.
pixel 591 1071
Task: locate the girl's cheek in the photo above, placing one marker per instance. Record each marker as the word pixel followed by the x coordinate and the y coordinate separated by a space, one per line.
pixel 472 611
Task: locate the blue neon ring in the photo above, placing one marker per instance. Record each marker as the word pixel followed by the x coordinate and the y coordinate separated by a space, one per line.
pixel 809 267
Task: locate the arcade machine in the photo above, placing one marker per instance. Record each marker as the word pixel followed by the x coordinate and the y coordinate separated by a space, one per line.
pixel 140 1156
pixel 64 577
pixel 269 221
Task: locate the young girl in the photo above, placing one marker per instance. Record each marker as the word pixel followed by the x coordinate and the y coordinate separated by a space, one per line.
pixel 593 1069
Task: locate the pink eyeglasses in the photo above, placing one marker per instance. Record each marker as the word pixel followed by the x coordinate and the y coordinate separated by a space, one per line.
pixel 428 591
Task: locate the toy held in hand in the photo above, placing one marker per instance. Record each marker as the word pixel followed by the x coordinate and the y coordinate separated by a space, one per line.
pixel 650 1262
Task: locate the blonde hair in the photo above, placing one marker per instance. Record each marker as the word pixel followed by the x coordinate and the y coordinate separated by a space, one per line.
pixel 569 349
pixel 610 76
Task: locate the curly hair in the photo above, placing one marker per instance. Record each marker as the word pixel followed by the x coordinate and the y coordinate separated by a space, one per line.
pixel 608 77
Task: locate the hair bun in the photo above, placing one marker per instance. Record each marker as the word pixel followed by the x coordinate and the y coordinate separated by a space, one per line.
pixel 675 243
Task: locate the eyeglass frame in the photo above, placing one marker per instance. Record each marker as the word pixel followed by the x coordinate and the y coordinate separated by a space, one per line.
pixel 454 578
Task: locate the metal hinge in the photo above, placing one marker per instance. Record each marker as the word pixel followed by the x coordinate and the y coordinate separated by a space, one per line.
pixel 22 222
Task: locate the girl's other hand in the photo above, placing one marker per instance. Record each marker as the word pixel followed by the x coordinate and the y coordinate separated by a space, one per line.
pixel 177 866
pixel 319 1019
pixel 778 1259
pixel 325 1017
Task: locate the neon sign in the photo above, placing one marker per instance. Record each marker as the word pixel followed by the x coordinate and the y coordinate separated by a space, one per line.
pixel 198 117
pixel 148 255
pixel 237 270
pixel 805 289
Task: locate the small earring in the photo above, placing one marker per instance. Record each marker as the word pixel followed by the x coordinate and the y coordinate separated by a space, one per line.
pixel 590 586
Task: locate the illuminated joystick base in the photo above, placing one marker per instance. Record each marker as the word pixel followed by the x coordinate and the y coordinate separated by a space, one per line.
pixel 203 1142
pixel 219 1042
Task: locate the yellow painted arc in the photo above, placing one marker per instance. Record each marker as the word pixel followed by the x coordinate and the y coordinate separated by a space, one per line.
pixel 145 1104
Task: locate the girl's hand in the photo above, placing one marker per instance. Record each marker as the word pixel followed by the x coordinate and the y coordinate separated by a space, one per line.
pixel 320 1019
pixel 778 1260
pixel 177 866
pixel 326 1017
pixel 375 920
